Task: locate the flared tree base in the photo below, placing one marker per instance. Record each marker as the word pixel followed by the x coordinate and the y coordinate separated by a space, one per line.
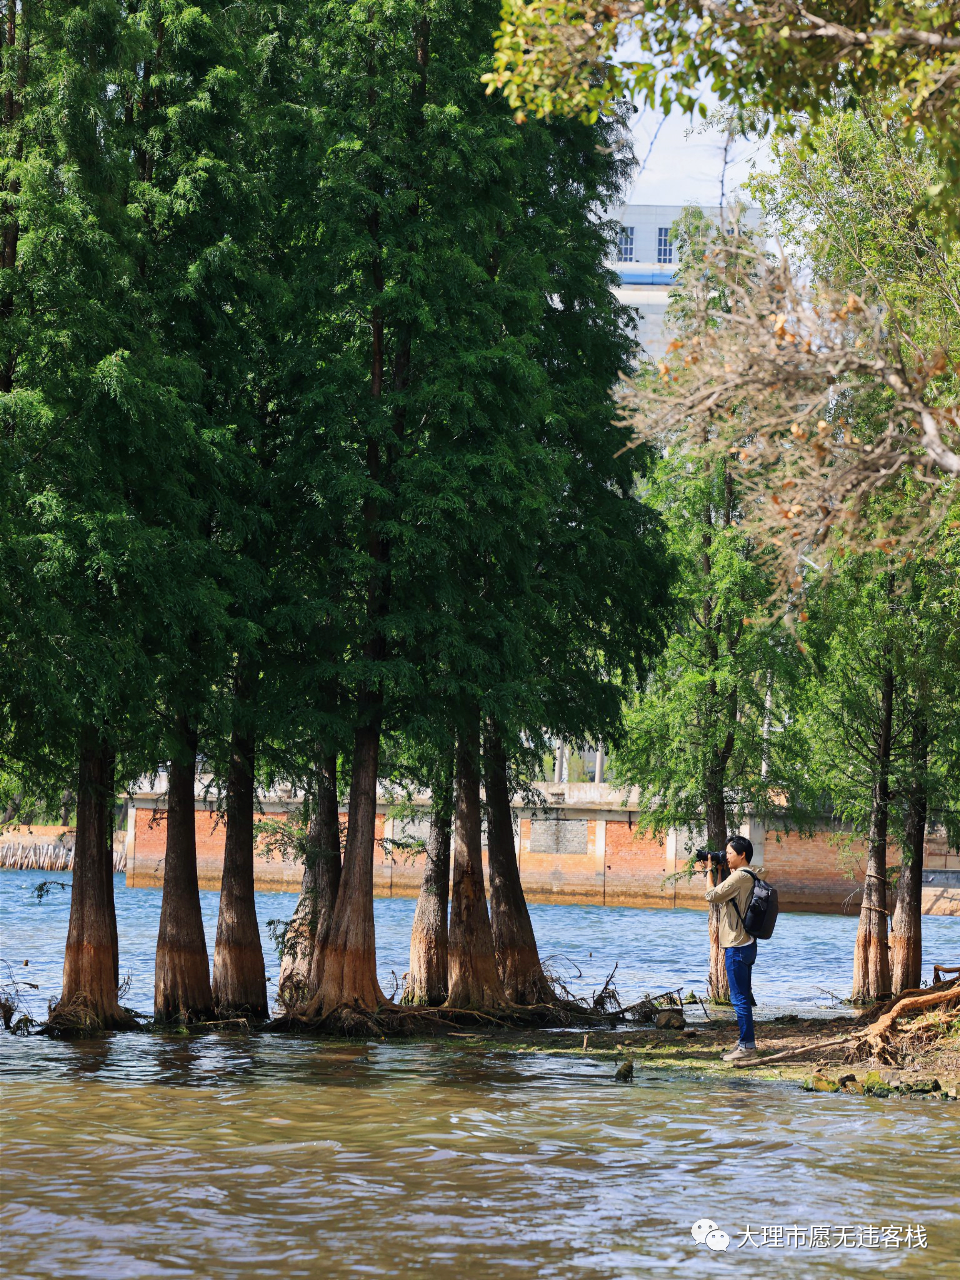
pixel 182 992
pixel 905 962
pixel 871 967
pixel 240 982
pixel 427 981
pixel 349 984
pixel 524 982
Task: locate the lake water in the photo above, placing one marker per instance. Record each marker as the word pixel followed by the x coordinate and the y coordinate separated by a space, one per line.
pixel 808 957
pixel 148 1157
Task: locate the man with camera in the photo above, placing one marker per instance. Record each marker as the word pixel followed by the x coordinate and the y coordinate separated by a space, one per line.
pixel 733 896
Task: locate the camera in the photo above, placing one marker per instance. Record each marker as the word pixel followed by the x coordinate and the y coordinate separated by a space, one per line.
pixel 713 857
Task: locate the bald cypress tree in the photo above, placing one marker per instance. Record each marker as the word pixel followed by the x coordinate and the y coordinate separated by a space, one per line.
pixel 429 934
pixel 123 189
pixel 469 342
pixel 333 348
pixel 193 119
pixel 81 361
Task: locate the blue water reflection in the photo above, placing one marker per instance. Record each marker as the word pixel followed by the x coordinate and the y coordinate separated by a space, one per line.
pixel 653 950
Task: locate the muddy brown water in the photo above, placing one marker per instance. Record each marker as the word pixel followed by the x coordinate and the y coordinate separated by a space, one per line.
pixel 145 1156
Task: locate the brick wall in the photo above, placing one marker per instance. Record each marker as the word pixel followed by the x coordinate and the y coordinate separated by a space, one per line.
pixel 583 860
pixel 555 867
pixel 145 868
pixel 635 865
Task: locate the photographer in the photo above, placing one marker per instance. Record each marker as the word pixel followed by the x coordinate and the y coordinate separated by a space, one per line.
pixel 740 950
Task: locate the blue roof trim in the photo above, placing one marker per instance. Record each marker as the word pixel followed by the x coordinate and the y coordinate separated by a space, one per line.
pixel 647 277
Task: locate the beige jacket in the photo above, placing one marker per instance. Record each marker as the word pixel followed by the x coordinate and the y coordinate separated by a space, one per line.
pixel 738 887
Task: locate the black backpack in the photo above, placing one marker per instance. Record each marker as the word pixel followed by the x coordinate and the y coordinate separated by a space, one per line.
pixel 762 910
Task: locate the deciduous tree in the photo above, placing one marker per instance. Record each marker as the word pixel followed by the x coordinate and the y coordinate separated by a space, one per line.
pixel 879 706
pixel 783 56
pixel 708 736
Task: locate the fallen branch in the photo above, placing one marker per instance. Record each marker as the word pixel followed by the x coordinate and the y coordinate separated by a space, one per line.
pixel 874 1037
pixel 222 1022
pixel 871 1015
pixel 793 1053
pixel 607 993
pixel 875 1033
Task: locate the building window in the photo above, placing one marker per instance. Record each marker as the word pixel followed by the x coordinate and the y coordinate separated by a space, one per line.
pixel 625 245
pixel 664 247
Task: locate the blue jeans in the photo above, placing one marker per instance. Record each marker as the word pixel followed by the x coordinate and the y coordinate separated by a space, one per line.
pixel 739 962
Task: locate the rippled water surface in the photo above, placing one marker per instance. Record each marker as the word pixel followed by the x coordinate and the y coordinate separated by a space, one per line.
pixel 219 1155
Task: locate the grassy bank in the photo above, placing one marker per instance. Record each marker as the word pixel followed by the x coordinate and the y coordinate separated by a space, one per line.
pixel 697 1050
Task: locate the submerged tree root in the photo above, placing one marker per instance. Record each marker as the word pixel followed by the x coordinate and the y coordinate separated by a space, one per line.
pixel 77 1020
pixel 410 1020
pixel 419 1020
pixel 603 1011
pixel 562 1009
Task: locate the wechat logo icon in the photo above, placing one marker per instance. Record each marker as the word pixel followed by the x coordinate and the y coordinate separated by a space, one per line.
pixel 708 1233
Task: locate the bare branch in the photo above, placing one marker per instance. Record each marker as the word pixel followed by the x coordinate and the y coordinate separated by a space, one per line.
pixel 815 398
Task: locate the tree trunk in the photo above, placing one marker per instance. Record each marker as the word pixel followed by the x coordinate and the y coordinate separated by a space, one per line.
pixel 181 988
pixel 474 982
pixel 871 960
pixel 318 892
pixel 91 959
pixel 301 970
pixel 108 872
pixel 239 977
pixel 301 932
pixel 329 870
pixel 906 939
pixel 427 979
pixel 518 960
pixel 716 815
pixel 12 809
pixel 350 963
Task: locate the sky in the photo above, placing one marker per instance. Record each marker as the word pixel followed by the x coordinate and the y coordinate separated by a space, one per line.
pixel 679 162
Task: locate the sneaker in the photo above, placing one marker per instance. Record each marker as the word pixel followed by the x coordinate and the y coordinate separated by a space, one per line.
pixel 740 1053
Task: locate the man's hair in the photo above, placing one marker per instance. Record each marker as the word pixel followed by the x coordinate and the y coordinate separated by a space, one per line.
pixel 741 845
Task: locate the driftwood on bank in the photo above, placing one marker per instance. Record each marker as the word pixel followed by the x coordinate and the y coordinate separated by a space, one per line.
pixel 870 1016
pixel 874 1040
pixel 792 1053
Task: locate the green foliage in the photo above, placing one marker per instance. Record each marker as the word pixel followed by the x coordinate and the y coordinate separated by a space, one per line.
pixel 766 56
pixel 128 199
pixel 309 416
pixel 710 735
pixel 46 887
pixel 851 208
pixel 468 342
pixel 715 719
pixel 870 620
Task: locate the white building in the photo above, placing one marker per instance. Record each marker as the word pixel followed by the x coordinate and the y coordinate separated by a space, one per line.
pixel 646 263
